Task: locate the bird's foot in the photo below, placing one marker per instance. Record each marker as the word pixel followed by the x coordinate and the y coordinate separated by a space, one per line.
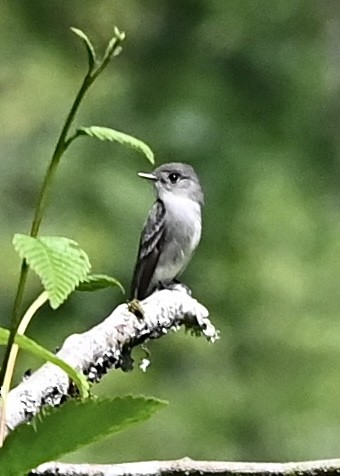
pixel 135 307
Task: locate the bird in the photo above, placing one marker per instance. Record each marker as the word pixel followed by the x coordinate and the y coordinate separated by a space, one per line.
pixel 172 229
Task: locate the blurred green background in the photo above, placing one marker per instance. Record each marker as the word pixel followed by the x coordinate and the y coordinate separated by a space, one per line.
pixel 247 92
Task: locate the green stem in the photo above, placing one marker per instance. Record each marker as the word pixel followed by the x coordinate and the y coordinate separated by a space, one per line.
pixel 60 148
pixel 41 299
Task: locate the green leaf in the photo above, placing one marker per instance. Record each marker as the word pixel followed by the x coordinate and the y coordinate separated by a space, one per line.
pixel 38 351
pixel 105 133
pixel 94 282
pixel 89 47
pixel 70 427
pixel 59 262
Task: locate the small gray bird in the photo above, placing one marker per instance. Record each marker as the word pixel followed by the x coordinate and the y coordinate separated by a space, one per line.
pixel 172 230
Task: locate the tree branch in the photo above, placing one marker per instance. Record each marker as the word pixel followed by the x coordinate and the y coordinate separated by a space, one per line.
pixel 187 466
pixel 106 346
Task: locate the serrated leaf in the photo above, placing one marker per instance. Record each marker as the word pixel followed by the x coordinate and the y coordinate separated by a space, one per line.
pixel 37 350
pixel 59 262
pixel 70 427
pixel 105 133
pixel 94 282
pixel 89 47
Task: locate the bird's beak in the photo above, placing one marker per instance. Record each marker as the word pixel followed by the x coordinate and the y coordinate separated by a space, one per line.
pixel 147 176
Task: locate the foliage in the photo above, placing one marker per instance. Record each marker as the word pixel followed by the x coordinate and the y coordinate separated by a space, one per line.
pixel 94 282
pixel 59 262
pixel 105 133
pixel 69 427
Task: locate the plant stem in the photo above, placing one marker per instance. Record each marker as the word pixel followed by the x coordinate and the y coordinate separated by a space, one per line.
pixel 41 299
pixel 60 148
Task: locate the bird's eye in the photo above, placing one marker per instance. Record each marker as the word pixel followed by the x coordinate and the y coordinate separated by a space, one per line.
pixel 173 177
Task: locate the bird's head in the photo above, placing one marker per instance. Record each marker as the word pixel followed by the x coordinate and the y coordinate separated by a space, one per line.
pixel 176 179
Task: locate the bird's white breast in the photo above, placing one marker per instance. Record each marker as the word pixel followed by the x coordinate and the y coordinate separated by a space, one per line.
pixel 185 215
pixel 183 225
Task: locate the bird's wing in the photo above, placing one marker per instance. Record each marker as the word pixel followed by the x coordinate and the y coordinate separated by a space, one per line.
pixel 149 250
